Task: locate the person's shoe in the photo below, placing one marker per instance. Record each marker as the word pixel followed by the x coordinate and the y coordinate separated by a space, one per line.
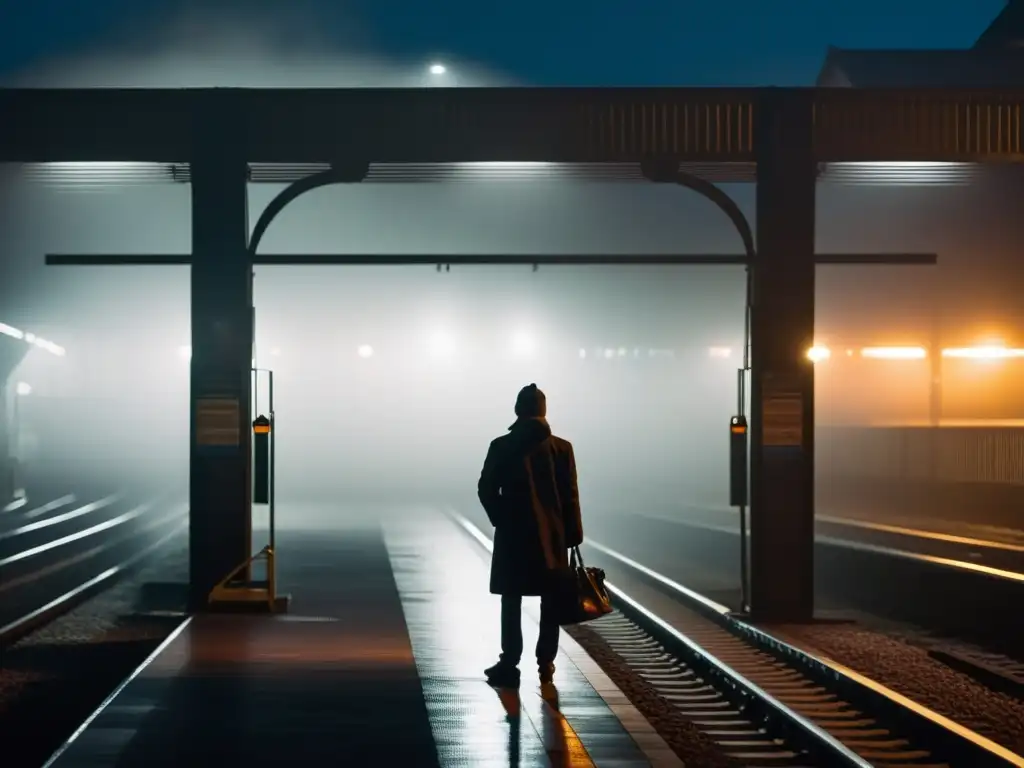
pixel 547 673
pixel 503 675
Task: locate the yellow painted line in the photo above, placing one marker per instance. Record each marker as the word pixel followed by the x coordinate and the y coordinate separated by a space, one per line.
pixel 1012 758
pixel 963 565
pixel 948 562
pixel 922 533
pixel 987 744
pixel 561 742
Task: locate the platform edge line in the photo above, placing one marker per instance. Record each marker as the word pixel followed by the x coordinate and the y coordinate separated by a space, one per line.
pixel 116 692
pixel 598 680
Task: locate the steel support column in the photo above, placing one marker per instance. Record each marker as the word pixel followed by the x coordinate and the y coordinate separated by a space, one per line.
pixel 6 446
pixel 782 376
pixel 222 351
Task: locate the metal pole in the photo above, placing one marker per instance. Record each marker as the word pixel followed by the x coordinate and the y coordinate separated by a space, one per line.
pixel 744 602
pixel 16 434
pixel 273 463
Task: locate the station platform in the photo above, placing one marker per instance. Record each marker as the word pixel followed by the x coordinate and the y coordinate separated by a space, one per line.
pixel 379 662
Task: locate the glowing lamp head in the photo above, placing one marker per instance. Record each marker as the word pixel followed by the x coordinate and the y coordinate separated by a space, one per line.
pixel 437 69
pixel 523 344
pixel 817 354
pixel 442 345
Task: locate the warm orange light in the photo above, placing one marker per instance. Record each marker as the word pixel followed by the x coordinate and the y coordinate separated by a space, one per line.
pixel 816 354
pixel 895 353
pixel 993 352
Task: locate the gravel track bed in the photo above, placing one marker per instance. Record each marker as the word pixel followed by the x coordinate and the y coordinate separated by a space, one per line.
pixel 907 669
pixel 688 742
pixel 55 677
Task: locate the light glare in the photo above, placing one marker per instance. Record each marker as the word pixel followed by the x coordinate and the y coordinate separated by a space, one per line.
pixel 817 354
pixel 442 345
pixel 438 69
pixel 24 388
pixel 31 338
pixel 993 352
pixel 185 352
pixel 895 353
pixel 365 351
pixel 720 352
pixel 523 344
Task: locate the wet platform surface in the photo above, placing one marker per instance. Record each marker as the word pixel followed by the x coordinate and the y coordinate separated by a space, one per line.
pixel 378 663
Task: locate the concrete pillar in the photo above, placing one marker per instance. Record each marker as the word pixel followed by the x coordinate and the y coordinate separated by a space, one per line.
pixel 782 377
pixel 222 350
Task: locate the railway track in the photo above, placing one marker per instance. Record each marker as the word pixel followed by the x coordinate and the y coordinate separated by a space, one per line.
pixel 767 703
pixel 57 554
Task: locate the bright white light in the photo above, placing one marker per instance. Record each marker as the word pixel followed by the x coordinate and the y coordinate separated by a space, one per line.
pixel 31 338
pixel 23 388
pixel 895 353
pixel 10 330
pixel 609 354
pixel 583 354
pixel 438 69
pixel 442 345
pixel 50 347
pixel 185 352
pixel 817 353
pixel 523 344
pixel 993 352
pixel 721 352
pixel 364 351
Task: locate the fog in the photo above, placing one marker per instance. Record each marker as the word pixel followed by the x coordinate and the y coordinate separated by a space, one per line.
pixel 644 402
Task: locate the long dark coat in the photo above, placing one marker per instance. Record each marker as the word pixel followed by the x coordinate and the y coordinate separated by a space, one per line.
pixel 528 489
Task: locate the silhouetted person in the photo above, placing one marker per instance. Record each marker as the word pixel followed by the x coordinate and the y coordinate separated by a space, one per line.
pixel 528 489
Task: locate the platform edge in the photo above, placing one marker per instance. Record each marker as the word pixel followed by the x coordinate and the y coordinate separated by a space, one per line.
pixel 650 743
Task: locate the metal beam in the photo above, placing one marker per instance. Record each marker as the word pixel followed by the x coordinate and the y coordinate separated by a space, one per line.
pixel 398 259
pixel 570 125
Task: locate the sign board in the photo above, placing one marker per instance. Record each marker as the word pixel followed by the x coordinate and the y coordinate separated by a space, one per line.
pixel 218 422
pixel 782 412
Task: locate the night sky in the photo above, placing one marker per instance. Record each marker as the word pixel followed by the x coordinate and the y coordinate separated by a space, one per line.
pixel 551 42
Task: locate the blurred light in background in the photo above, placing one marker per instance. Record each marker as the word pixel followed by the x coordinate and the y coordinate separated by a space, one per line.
pixel 720 352
pixel 992 352
pixel 523 344
pixel 442 345
pixel 31 338
pixel 365 351
pixel 817 354
pixel 23 388
pixel 185 352
pixel 438 69
pixel 895 353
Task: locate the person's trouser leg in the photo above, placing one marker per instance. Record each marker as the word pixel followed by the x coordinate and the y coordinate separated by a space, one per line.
pixel 511 629
pixel 547 638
